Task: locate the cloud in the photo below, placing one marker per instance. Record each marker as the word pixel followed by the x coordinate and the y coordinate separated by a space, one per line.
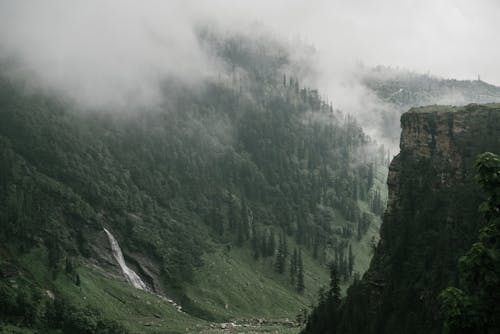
pixel 103 52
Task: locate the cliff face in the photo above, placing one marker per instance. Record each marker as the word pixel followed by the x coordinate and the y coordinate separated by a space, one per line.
pixel 431 219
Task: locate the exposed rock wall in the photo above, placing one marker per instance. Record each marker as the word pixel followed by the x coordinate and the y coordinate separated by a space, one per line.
pixel 431 219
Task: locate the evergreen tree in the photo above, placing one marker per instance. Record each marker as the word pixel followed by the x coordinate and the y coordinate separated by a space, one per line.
pixel 69 266
pixel 474 306
pixel 334 292
pixel 281 254
pixel 315 249
pixel 300 274
pixel 324 316
pixel 285 246
pixel 263 245
pixel 77 279
pixel 255 243
pixel 293 266
pixel 271 244
pixel 244 226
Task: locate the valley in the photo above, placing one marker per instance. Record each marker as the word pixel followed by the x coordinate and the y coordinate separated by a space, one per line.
pixel 163 172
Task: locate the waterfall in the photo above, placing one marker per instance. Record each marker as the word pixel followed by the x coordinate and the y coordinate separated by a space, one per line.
pixel 129 274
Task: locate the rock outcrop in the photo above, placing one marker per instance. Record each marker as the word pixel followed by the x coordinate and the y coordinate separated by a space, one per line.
pixel 431 219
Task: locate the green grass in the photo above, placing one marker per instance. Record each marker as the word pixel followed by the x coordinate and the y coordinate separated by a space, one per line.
pixel 249 288
pixel 232 285
pixel 12 329
pixel 139 311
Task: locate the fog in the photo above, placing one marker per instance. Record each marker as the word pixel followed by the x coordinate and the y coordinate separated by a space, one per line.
pixel 112 52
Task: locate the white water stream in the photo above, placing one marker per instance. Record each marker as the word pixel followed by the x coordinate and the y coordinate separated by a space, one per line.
pixel 129 274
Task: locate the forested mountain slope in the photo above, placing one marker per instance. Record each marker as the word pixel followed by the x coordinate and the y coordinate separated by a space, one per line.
pixel 231 197
pixel 432 219
pixel 397 90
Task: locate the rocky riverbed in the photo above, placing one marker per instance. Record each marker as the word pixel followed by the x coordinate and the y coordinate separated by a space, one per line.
pixel 251 326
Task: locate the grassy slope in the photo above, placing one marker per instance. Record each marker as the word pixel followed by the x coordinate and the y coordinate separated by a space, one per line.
pixel 140 311
pixel 233 285
pixel 249 288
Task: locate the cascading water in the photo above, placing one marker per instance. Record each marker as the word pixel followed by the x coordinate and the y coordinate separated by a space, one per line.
pixel 129 274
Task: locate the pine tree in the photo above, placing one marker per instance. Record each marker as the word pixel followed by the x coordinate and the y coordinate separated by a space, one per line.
pixel 281 254
pixel 293 267
pixel 300 274
pixel 77 279
pixel 244 226
pixel 285 246
pixel 255 243
pixel 472 306
pixel 263 245
pixel 69 266
pixel 315 249
pixel 271 244
pixel 334 291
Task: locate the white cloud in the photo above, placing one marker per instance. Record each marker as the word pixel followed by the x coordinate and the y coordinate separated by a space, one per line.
pixel 104 51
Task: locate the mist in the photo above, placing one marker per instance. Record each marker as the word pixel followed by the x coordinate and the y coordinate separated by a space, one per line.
pixel 116 53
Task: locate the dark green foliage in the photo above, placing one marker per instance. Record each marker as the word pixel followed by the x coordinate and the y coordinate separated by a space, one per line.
pixel 69 266
pixel 281 255
pixel 294 264
pixel 77 279
pixel 270 246
pixel 255 243
pixel 59 314
pixel 433 219
pixel 24 304
pixel 488 168
pixel 233 161
pixel 300 273
pixel 324 317
pixel 474 307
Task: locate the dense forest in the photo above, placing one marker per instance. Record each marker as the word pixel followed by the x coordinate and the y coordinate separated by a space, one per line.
pixel 252 159
pixel 247 194
pixel 433 218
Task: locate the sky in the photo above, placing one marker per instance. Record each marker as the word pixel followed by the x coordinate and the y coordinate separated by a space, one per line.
pixel 104 51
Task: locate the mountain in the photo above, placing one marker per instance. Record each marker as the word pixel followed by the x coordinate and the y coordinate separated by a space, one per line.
pixel 407 89
pixel 393 91
pixel 431 220
pixel 228 199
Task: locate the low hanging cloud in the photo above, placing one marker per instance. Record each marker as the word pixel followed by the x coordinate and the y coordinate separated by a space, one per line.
pixel 102 53
pixel 116 52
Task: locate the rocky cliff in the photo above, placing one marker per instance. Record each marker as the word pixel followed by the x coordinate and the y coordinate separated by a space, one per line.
pixel 431 219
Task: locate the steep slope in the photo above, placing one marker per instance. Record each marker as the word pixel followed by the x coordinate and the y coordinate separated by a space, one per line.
pixel 220 183
pixel 406 89
pixel 432 218
pixel 472 305
pixel 395 91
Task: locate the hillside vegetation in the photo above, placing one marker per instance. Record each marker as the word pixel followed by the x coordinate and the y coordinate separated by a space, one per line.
pixel 436 209
pixel 231 197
